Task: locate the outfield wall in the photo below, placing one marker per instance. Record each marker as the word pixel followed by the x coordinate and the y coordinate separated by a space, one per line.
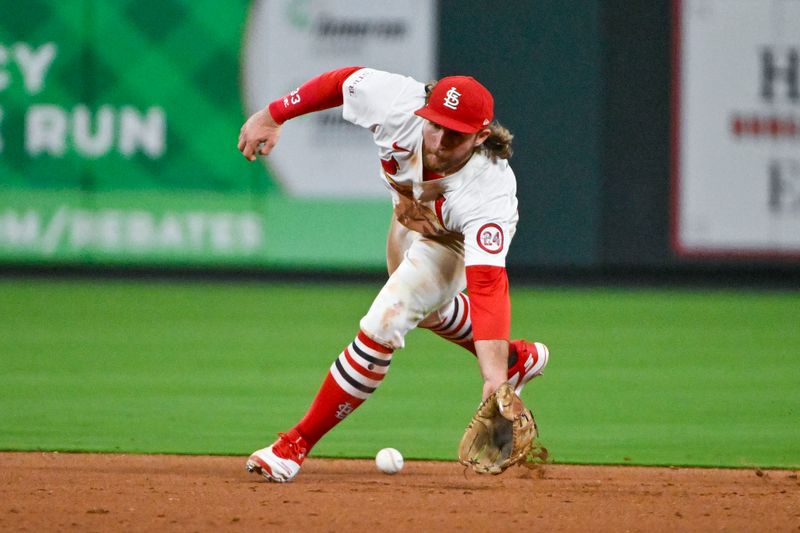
pixel 118 125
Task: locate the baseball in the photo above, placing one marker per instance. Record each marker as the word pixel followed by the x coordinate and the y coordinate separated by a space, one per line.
pixel 389 461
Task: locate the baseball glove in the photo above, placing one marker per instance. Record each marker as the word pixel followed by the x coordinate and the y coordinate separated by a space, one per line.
pixel 500 434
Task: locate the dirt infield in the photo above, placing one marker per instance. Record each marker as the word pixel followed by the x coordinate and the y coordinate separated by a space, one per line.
pixel 101 492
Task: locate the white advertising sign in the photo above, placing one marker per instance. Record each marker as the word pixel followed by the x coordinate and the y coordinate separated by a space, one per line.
pixel 736 170
pixel 291 41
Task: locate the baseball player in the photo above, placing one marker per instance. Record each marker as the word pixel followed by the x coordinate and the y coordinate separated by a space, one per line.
pixel 444 161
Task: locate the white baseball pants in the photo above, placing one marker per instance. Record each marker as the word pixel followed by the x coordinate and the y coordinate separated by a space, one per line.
pixel 425 276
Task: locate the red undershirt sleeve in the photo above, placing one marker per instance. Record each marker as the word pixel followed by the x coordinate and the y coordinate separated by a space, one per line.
pixel 322 92
pixel 490 305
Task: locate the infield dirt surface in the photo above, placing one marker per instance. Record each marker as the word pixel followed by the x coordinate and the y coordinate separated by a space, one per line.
pixel 116 492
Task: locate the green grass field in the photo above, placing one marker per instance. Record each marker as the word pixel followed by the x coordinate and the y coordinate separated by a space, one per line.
pixel 661 377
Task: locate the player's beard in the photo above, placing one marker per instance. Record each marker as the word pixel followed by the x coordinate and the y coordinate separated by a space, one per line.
pixel 434 163
pixel 441 165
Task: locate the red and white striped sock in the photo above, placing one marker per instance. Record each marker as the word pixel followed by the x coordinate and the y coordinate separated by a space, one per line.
pixel 456 326
pixel 352 378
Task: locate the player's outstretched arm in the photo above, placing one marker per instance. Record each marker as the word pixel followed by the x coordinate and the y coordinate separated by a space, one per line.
pixel 490 308
pixel 261 131
pixel 259 134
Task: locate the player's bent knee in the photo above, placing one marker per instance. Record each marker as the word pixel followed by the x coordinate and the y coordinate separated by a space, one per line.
pixel 392 315
pixel 388 323
pixel 414 290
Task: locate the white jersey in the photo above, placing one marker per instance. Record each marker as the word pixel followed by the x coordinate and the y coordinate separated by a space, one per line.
pixel 474 209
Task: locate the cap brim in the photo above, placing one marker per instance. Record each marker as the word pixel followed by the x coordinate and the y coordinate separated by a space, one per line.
pixel 448 122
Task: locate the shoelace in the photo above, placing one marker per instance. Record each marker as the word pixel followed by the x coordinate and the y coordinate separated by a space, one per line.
pixel 290 448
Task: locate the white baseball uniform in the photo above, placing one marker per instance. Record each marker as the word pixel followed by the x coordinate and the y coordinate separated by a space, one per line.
pixel 466 218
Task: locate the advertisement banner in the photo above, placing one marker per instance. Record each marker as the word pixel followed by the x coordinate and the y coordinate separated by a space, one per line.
pixel 100 96
pixel 736 186
pixel 291 41
pixel 119 123
pixel 188 229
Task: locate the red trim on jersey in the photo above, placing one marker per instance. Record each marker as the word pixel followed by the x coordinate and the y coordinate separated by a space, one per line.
pixel 438 205
pixel 429 175
pixel 390 166
pixel 360 369
pixel 372 344
pixel 490 303
pixel 322 92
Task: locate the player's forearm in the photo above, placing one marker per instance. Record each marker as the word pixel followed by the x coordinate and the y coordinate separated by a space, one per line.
pixel 489 301
pixel 493 362
pixel 490 310
pixel 321 92
pixel 260 132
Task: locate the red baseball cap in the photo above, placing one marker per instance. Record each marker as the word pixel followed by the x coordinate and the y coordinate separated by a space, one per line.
pixel 459 103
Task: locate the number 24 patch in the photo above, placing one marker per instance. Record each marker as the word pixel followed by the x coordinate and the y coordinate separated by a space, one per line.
pixel 490 238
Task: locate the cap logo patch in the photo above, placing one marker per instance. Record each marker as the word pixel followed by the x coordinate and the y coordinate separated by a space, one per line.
pixel 451 99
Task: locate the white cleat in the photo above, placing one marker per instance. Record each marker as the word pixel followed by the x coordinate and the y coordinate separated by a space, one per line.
pixel 281 461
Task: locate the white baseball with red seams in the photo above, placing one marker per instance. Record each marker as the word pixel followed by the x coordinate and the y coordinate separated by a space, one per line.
pixel 389 461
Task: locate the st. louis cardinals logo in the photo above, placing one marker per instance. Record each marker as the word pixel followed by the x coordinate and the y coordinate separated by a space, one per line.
pixel 490 238
pixel 344 410
pixel 451 100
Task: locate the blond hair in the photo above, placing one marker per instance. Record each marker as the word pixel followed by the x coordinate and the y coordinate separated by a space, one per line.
pixel 497 145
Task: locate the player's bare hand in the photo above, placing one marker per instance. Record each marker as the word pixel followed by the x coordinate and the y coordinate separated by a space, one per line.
pixel 258 135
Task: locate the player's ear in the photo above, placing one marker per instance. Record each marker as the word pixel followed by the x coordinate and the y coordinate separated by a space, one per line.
pixel 482 136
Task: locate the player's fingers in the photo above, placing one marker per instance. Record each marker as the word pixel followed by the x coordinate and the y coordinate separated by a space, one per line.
pixel 248 151
pixel 266 147
pixel 242 145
